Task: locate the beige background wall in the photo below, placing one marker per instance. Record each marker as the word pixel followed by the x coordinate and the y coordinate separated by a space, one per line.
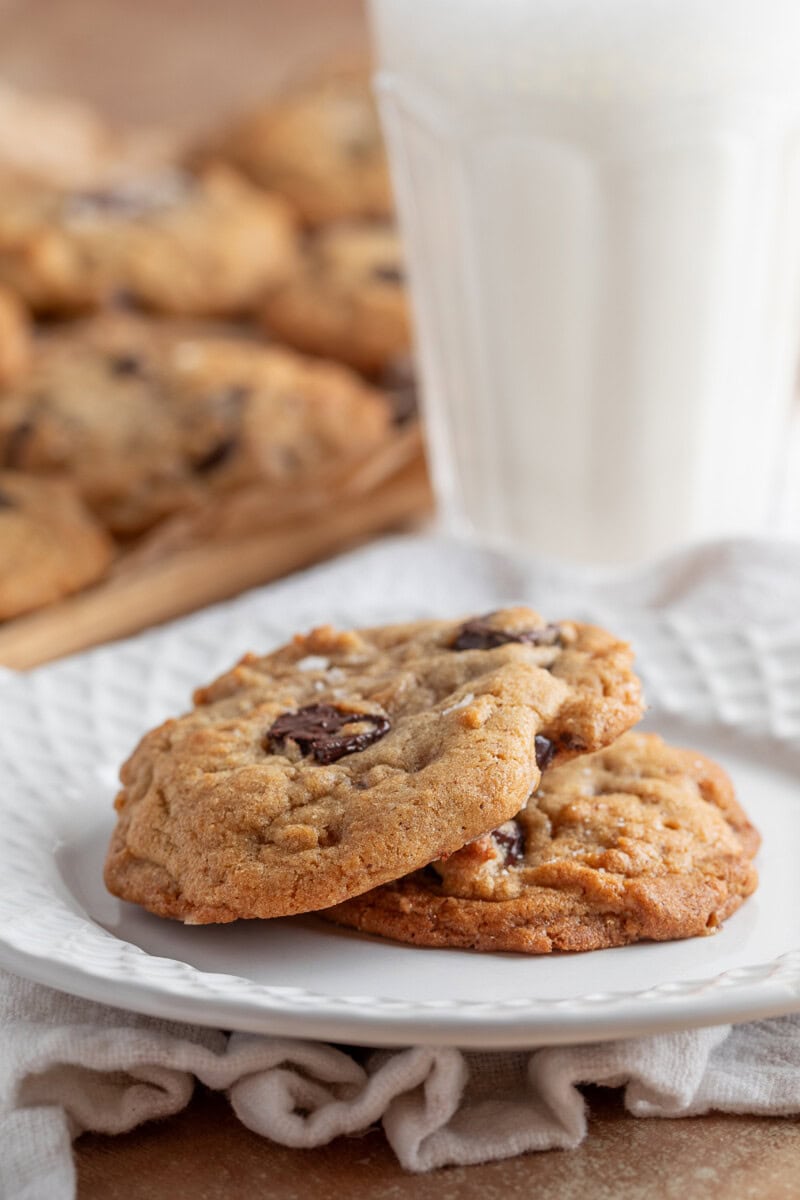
pixel 185 61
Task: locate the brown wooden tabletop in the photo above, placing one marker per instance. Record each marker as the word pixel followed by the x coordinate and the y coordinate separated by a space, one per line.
pixel 204 1153
pixel 186 62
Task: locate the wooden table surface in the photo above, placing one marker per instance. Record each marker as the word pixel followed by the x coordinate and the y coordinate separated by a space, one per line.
pixel 188 61
pixel 204 1153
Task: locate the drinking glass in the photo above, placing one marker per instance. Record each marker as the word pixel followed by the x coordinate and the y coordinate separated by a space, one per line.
pixel 600 204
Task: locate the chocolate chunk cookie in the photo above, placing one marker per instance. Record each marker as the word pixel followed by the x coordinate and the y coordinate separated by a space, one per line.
pixel 349 301
pixel 49 544
pixel 344 760
pixel 319 145
pixel 150 418
pixel 639 841
pixel 170 241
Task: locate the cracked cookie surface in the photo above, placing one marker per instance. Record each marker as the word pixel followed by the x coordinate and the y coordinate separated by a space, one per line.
pixel 346 759
pixel 639 841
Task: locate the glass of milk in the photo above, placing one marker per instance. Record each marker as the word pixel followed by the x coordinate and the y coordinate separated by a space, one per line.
pixel 600 201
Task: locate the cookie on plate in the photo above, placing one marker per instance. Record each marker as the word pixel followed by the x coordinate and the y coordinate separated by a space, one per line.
pixel 151 418
pixel 639 841
pixel 15 338
pixel 49 544
pixel 319 145
pixel 178 243
pixel 349 302
pixel 344 760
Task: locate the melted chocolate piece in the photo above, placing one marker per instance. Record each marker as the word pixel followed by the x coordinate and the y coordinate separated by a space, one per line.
pixel 7 501
pixel 361 147
pixel 131 199
pixel 216 455
pixel 122 298
pixel 478 634
pixel 545 751
pixel 232 397
pixel 508 838
pixel 15 443
pixel 570 741
pixel 387 273
pixel 315 729
pixel 227 404
pixel 126 364
pixel 400 385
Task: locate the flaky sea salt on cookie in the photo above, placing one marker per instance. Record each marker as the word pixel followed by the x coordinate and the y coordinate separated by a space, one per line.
pixel 639 841
pixel 347 759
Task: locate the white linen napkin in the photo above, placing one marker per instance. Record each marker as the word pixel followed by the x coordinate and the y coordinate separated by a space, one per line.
pixel 68 1065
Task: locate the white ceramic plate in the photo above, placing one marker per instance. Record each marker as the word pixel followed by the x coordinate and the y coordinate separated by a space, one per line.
pixel 731 692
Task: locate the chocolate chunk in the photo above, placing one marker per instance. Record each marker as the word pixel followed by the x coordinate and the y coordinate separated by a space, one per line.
pixel 509 839
pixel 90 203
pixel 361 146
pixel 7 501
pixel 400 385
pixel 387 273
pixel 315 728
pixel 122 298
pixel 15 442
pixel 571 741
pixel 126 364
pixel 545 751
pixel 232 397
pixel 216 455
pixel 479 634
pixel 226 406
pixel 131 199
pixel 225 402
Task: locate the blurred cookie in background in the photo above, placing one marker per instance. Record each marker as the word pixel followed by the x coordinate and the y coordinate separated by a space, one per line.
pixel 171 241
pixel 319 144
pixel 15 338
pixel 349 300
pixel 50 545
pixel 65 142
pixel 150 418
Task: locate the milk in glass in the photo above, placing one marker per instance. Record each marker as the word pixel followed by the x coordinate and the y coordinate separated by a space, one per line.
pixel 600 201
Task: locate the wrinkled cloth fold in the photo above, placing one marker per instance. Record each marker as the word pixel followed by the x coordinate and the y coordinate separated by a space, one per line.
pixel 69 1065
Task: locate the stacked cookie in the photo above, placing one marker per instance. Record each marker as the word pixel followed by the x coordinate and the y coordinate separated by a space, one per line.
pixel 180 352
pixel 320 146
pixel 443 783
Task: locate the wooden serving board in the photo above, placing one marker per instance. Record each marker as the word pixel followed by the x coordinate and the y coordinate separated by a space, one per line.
pixel 148 589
